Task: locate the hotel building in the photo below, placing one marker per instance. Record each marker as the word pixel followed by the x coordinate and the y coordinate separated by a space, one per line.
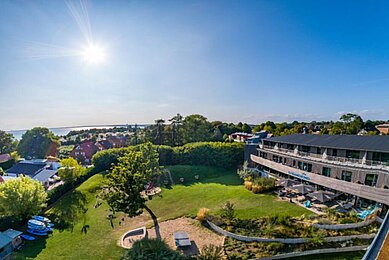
pixel 357 166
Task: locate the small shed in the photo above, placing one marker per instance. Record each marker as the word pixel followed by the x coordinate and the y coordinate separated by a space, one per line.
pixel 6 247
pixel 15 236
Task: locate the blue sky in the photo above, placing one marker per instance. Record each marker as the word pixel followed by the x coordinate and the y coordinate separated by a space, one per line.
pixel 248 61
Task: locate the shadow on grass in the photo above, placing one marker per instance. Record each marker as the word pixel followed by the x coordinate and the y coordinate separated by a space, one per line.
pixel 68 211
pixel 31 249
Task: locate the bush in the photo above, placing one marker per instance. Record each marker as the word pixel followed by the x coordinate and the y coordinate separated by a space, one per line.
pixel 260 184
pixel 211 252
pixel 227 211
pixel 104 160
pixel 202 214
pixel 226 155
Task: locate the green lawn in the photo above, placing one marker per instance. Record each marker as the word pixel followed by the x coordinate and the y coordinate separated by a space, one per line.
pixel 340 256
pixel 87 233
pixel 221 186
pixel 99 241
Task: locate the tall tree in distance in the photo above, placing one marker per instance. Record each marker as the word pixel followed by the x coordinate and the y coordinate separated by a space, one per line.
pixel 128 179
pixel 159 128
pixel 38 142
pixel 176 123
pixel 7 142
pixel 196 128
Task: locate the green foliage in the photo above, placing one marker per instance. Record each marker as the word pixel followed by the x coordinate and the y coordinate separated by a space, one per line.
pixel 70 170
pixel 147 249
pixel 226 155
pixel 38 142
pixel 227 211
pixel 211 252
pixel 196 128
pixel 7 142
pixel 65 150
pixel 105 159
pixel 21 197
pixel 128 179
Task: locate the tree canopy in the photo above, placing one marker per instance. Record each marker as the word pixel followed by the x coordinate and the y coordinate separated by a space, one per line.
pixel 38 142
pixel 21 197
pixel 129 177
pixel 70 170
pixel 7 142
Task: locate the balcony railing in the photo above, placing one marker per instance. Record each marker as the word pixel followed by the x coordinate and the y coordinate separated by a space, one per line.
pixel 328 157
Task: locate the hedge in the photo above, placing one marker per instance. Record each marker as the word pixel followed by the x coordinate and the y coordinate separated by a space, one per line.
pixel 219 154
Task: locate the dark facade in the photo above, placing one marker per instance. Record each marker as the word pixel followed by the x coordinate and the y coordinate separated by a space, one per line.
pixel 356 165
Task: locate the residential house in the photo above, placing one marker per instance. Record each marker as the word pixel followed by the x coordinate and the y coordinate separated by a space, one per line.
pixel 117 141
pixel 37 169
pixel 240 137
pixel 9 240
pixel 384 129
pixel 5 158
pixel 104 145
pixel 84 151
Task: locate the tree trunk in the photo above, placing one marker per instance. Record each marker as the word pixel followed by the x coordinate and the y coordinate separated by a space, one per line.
pixel 155 220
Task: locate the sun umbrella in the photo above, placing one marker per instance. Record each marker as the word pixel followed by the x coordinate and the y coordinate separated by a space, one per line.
pixel 303 188
pixel 287 182
pixel 322 196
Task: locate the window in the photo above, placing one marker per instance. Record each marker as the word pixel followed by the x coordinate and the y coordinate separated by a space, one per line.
pixel 346 176
pixel 284 160
pixel 380 157
pixel 300 165
pixel 352 154
pixel 290 147
pixel 294 163
pixel 326 172
pixel 318 151
pixel 305 166
pixel 305 149
pixel 263 155
pixel 334 152
pixel 371 179
pixel 275 158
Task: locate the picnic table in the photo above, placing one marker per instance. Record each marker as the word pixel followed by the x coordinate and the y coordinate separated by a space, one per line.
pixel 181 239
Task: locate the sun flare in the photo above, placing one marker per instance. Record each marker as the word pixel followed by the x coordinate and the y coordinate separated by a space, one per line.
pixel 94 54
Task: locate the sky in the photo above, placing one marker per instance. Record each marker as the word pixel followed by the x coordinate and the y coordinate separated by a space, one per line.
pixel 248 61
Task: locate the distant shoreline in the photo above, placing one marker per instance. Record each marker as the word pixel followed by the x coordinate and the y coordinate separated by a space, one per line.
pixel 62 131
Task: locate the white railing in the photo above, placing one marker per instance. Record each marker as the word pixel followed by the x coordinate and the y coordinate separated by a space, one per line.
pixel 360 162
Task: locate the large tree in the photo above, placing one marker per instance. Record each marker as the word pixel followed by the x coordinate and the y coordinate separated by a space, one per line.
pixel 21 197
pixel 196 128
pixel 128 179
pixel 7 142
pixel 38 142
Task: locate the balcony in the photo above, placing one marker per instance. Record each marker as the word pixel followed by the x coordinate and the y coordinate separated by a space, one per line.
pixel 370 164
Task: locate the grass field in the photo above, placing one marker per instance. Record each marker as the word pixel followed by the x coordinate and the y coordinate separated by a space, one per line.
pixel 87 232
pixel 212 191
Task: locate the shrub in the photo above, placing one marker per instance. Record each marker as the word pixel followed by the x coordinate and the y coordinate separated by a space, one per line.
pixel 227 211
pixel 248 185
pixel 211 252
pixel 202 214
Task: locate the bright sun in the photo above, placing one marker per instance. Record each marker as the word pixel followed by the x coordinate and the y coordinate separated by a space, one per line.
pixel 94 54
